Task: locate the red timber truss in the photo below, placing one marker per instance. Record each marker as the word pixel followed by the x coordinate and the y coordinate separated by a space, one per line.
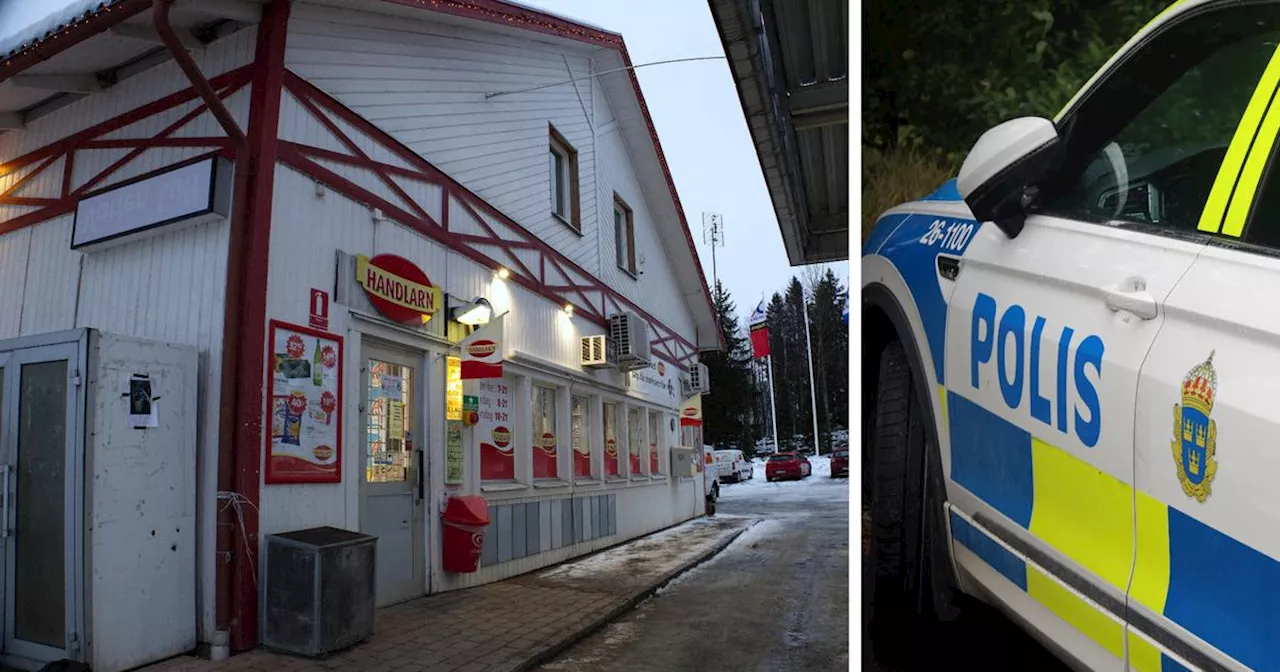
pixel 33 193
pixel 367 165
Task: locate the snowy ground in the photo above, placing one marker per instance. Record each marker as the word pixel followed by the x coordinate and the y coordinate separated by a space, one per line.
pixel 821 472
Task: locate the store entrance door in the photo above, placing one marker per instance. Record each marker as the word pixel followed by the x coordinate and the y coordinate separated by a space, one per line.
pixel 39 471
pixel 392 486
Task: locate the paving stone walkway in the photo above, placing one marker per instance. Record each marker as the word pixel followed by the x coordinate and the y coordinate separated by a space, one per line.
pixel 510 625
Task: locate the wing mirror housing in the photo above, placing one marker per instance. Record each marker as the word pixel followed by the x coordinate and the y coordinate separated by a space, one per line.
pixel 1000 167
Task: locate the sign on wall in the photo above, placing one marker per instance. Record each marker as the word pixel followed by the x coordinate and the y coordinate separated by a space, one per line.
pixel 453 452
pixel 398 288
pixel 482 351
pixel 305 440
pixel 191 193
pixel 495 430
pixel 453 389
pixel 657 382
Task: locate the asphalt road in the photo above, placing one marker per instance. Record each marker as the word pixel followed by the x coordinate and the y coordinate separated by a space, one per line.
pixel 775 599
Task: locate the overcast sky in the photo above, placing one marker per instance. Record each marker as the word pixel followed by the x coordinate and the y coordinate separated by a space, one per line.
pixel 699 120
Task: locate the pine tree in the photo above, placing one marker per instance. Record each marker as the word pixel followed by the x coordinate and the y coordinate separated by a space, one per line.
pixel 727 410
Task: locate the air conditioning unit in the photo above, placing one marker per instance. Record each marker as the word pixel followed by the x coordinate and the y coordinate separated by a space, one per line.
pixel 597 352
pixel 699 378
pixel 630 336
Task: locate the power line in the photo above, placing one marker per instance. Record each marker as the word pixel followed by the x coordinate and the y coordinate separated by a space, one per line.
pixel 606 72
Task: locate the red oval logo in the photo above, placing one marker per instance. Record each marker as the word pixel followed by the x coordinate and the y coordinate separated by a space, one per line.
pixel 690 412
pixel 662 369
pixel 323 453
pixel 398 288
pixel 501 437
pixel 482 348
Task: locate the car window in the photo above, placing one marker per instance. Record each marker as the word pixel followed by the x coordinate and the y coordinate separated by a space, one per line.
pixel 841 453
pixel 780 458
pixel 1145 146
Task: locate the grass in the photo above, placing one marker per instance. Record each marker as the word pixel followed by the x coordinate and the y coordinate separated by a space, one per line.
pixel 897 176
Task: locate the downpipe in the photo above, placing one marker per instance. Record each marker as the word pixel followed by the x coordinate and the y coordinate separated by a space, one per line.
pixel 227 557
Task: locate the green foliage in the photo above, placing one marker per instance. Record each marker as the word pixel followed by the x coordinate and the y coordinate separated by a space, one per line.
pixel 727 409
pixel 937 73
pixel 896 176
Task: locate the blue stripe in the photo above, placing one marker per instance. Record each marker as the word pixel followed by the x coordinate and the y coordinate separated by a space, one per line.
pixel 1009 565
pixel 991 457
pixel 1168 664
pixel 947 192
pixel 881 232
pixel 917 261
pixel 1224 592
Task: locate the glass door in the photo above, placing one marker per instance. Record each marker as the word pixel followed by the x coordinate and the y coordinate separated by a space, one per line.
pixel 392 479
pixel 38 501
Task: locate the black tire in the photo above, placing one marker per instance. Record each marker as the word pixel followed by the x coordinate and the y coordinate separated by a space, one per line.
pixel 913 575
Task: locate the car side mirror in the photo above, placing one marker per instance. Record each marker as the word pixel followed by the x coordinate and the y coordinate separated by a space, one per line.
pixel 1002 163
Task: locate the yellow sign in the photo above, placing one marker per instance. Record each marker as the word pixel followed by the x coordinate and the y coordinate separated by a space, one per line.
pixel 416 296
pixel 395 420
pixel 453 389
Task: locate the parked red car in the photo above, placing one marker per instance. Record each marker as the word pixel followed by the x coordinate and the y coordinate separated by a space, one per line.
pixel 840 462
pixel 786 465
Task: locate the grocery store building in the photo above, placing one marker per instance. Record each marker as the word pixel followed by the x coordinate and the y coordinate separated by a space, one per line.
pixel 412 250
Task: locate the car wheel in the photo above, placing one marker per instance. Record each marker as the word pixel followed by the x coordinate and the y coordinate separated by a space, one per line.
pixel 913 574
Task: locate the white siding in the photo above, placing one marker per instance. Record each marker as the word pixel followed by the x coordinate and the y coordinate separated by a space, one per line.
pixel 307 232
pixel 168 288
pixel 423 82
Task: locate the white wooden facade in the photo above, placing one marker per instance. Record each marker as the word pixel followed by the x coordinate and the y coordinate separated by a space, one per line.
pixel 420 77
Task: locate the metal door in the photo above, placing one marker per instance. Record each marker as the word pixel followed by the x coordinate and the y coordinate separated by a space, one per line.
pixel 39 500
pixel 391 469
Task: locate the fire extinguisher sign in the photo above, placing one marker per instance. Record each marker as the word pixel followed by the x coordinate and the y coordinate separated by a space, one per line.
pixel 319 309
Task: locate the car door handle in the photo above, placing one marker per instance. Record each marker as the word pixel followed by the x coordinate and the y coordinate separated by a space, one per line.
pixel 1131 296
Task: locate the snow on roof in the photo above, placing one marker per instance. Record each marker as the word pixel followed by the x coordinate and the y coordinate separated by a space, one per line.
pixel 562 17
pixel 35 32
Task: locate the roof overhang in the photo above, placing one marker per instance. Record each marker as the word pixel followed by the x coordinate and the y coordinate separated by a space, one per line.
pixel 96 43
pixel 791 69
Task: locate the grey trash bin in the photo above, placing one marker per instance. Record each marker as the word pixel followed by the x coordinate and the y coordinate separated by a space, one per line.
pixel 319 593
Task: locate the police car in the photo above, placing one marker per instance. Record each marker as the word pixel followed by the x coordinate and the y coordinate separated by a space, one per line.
pixel 1086 325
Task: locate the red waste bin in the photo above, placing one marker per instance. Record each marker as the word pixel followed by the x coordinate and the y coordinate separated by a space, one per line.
pixel 464 521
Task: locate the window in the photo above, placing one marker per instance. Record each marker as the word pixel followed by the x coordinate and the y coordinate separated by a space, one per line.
pixel 563 164
pixel 581 429
pixel 497 445
pixel 544 431
pixel 1145 146
pixel 635 429
pixel 610 439
pixel 624 227
pixel 653 443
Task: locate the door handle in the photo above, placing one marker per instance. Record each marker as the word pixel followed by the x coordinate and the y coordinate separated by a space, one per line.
pixel 421 477
pixel 4 501
pixel 1131 296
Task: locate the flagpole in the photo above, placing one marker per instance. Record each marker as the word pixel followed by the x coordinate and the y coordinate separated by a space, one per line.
pixel 813 395
pixel 773 407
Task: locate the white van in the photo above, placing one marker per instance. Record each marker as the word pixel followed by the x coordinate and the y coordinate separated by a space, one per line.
pixel 732 466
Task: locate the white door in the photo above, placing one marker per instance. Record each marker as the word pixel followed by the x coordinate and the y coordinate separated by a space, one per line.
pixel 39 466
pixel 392 488
pixel 1208 425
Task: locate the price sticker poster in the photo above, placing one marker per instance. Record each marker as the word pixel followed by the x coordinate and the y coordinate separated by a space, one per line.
pixel 494 429
pixel 304 443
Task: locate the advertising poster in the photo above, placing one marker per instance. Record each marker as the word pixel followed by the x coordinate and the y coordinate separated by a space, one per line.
pixel 482 352
pixel 453 452
pixel 494 430
pixel 453 389
pixel 304 442
pixel 658 382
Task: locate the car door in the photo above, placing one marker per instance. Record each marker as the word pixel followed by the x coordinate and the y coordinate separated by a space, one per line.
pixel 1048 332
pixel 1208 430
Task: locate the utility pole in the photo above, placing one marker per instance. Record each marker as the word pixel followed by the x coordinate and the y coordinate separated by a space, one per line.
pixel 713 235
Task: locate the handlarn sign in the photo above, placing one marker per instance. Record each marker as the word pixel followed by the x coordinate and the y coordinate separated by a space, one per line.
pixel 392 287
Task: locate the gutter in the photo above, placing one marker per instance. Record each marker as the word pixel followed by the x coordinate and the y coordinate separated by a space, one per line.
pixel 226 553
pixel 55 43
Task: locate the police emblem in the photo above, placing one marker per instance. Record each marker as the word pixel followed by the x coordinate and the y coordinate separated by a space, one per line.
pixel 1195 434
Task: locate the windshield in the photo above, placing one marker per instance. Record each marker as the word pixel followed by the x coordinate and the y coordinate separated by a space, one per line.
pixel 781 458
pixel 840 453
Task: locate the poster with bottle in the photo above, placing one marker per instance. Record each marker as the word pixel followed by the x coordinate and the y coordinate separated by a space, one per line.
pixel 304 411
